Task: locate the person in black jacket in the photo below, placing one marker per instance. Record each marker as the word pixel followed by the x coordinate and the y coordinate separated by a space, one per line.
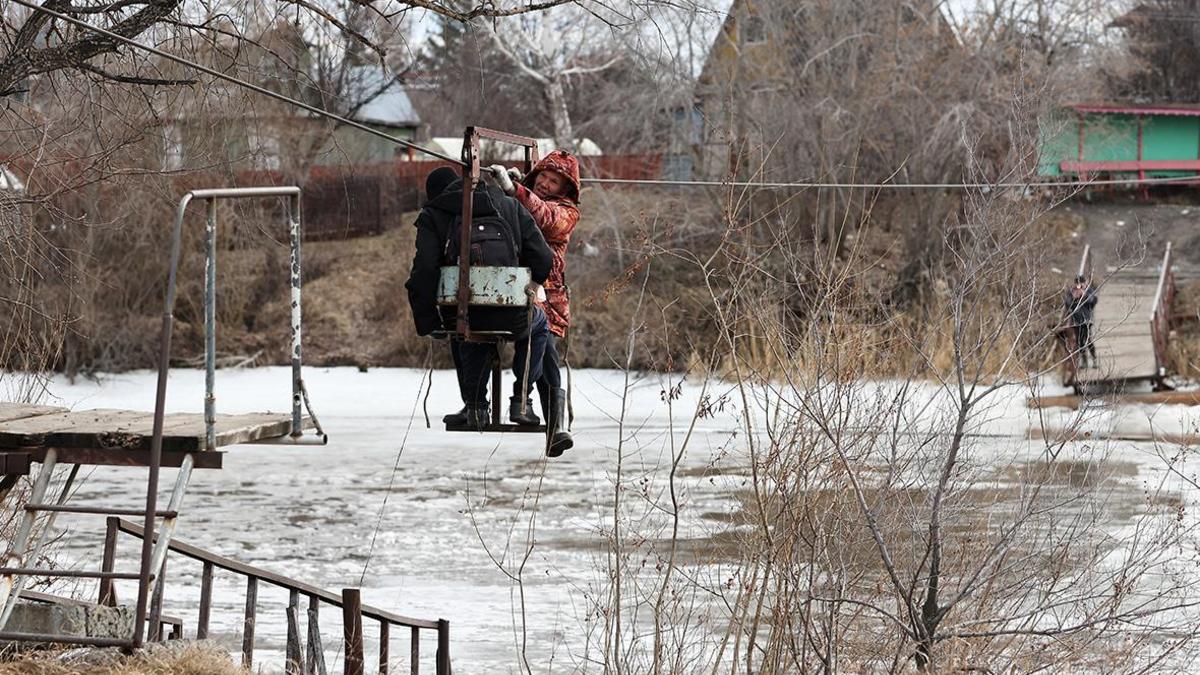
pixel 436 226
pixel 1080 301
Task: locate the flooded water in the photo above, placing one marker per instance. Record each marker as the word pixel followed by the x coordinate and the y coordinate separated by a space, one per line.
pixel 445 505
pixel 434 525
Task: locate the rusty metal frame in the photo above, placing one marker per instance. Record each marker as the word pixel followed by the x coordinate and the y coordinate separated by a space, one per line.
pixel 470 177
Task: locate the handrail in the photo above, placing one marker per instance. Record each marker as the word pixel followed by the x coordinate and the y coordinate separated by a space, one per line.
pixel 221 562
pixel 1160 314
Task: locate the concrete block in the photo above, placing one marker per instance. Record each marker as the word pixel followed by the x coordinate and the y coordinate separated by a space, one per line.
pixel 112 622
pixel 47 619
pixel 77 620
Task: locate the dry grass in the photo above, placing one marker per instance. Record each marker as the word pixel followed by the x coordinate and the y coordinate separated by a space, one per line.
pixel 165 659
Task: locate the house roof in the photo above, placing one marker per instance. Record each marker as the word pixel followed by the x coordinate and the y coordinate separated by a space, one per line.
pixel 391 107
pixel 1177 109
pixel 727 9
pixel 9 182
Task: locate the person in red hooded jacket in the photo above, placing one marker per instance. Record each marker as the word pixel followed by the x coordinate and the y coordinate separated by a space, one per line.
pixel 551 195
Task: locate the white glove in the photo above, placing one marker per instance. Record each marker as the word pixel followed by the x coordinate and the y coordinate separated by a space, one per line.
pixel 516 175
pixel 503 180
pixel 536 291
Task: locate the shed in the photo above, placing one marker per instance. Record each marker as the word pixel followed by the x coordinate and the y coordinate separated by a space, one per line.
pixel 1090 140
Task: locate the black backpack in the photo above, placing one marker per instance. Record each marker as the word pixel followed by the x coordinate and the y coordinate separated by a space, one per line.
pixel 492 242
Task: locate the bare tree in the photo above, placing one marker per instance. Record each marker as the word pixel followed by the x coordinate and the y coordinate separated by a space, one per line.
pixel 37 43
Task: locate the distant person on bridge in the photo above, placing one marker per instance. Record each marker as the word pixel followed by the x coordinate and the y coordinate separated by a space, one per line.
pixel 502 234
pixel 1080 300
pixel 551 194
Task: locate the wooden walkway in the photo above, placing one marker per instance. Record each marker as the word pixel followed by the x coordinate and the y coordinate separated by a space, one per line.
pixel 122 437
pixel 1124 336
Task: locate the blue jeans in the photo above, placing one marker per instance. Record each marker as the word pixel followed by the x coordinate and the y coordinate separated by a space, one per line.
pixel 473 360
pixel 551 378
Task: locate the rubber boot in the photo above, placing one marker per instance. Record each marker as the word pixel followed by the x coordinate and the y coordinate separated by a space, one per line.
pixel 479 415
pixel 559 438
pixel 528 419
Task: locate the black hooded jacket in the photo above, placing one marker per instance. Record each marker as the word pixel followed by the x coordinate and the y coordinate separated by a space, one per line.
pixel 433 229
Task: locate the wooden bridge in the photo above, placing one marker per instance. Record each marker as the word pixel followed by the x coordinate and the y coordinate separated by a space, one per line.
pixel 1131 332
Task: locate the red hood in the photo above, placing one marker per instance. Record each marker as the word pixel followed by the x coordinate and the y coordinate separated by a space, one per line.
pixel 564 163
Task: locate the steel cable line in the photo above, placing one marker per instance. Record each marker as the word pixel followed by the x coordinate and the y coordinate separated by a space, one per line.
pixel 884 186
pixel 797 185
pixel 235 81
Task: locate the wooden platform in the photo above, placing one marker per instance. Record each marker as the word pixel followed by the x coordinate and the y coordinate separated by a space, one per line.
pixel 498 428
pixel 123 437
pixel 1123 336
pixel 1189 398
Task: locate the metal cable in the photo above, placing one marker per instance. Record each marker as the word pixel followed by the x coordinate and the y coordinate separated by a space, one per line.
pixel 395 469
pixel 238 82
pixel 894 186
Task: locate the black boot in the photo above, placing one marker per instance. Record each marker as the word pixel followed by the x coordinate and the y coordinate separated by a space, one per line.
pixel 473 415
pixel 559 439
pixel 526 419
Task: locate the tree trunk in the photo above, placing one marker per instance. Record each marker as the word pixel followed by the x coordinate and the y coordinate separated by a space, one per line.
pixel 560 116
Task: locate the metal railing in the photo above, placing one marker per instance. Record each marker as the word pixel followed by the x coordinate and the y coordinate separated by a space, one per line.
pixel 299 660
pixel 292 195
pixel 1160 315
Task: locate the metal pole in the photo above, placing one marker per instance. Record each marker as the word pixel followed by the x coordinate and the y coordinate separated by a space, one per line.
pixel 13 557
pixel 294 665
pixel 470 177
pixel 210 326
pixel 414 655
pixel 39 543
pixel 443 650
pixel 108 596
pixel 294 229
pixel 206 579
pixel 249 622
pixel 353 635
pixel 156 601
pixel 384 637
pixel 159 556
pixel 160 404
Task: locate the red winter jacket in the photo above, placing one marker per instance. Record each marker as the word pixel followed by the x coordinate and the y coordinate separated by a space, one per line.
pixel 556 218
